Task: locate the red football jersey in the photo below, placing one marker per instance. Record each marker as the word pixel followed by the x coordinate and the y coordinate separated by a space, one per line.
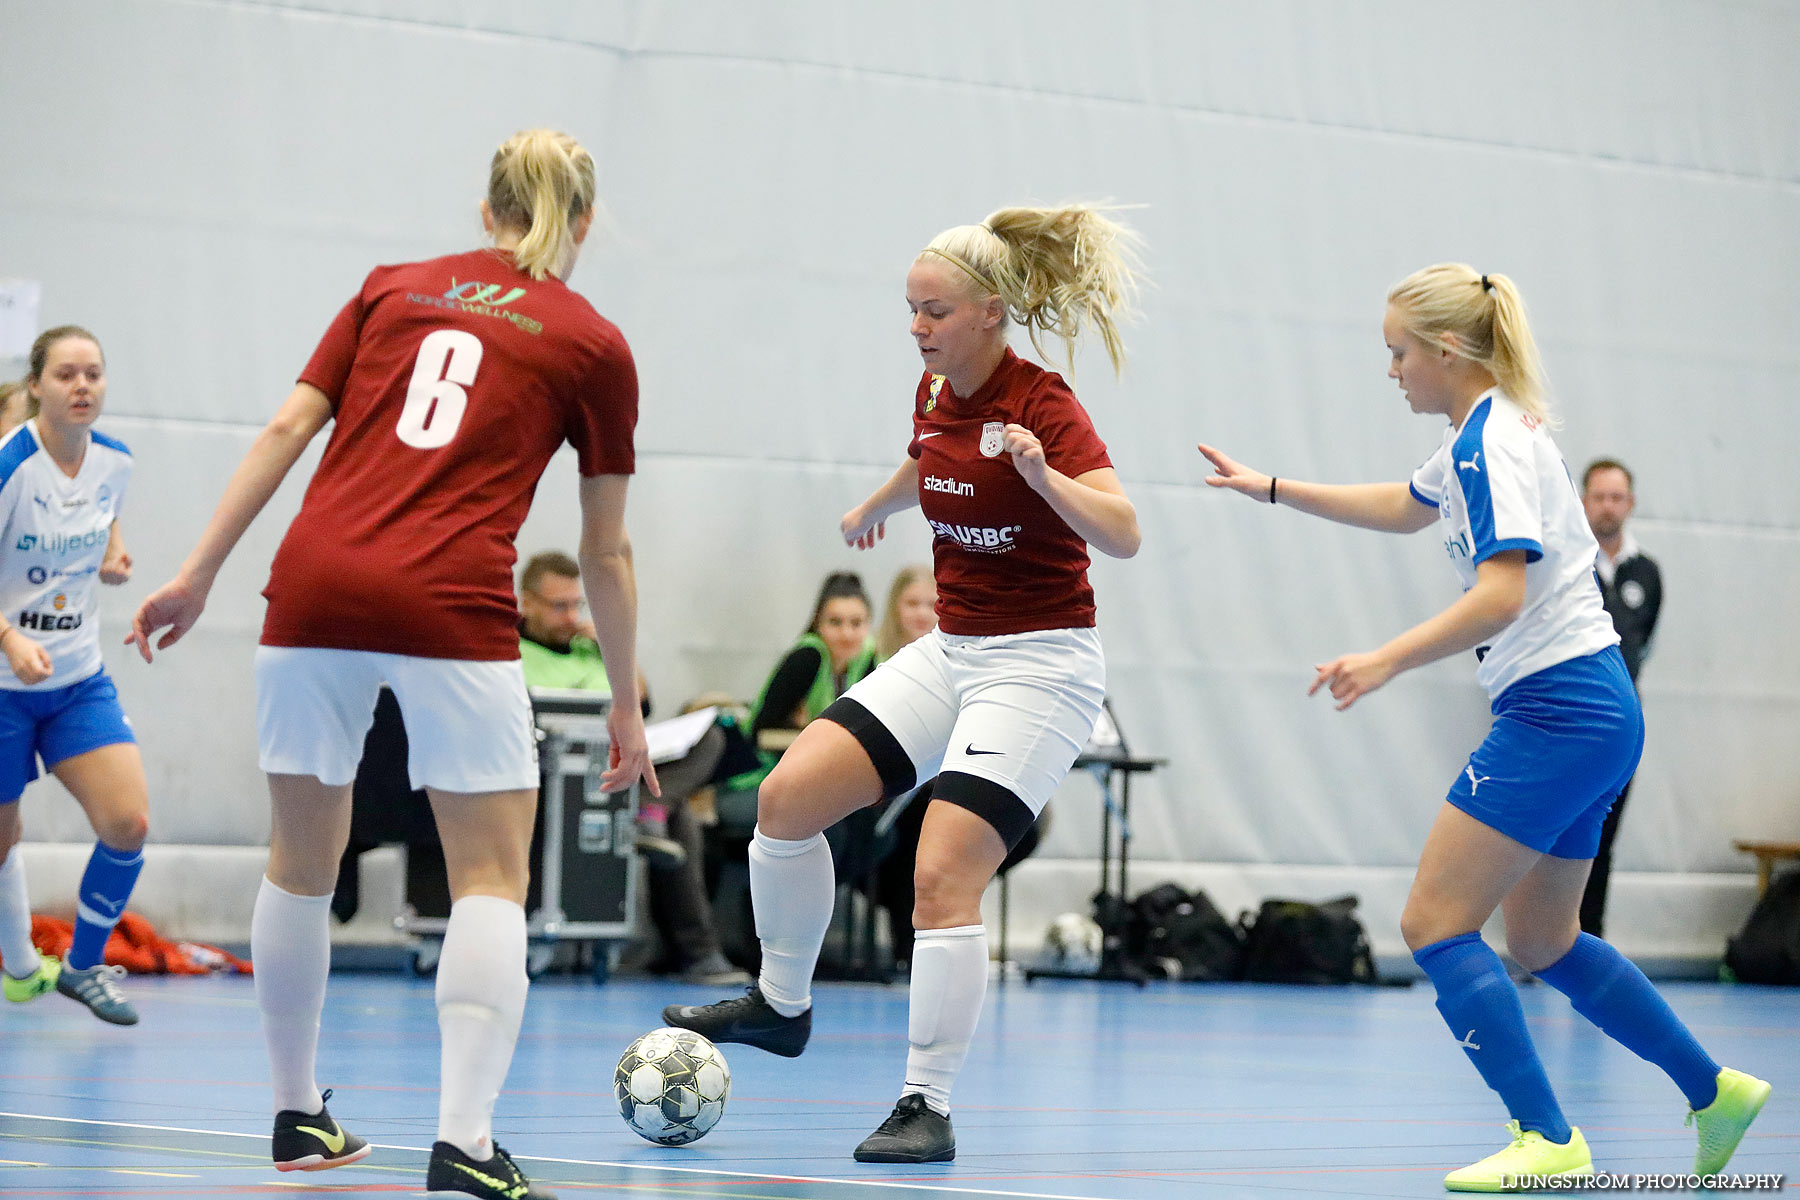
pixel 453 382
pixel 1004 561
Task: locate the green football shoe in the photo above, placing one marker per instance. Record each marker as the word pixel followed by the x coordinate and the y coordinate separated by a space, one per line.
pixel 35 984
pixel 1723 1122
pixel 1522 1166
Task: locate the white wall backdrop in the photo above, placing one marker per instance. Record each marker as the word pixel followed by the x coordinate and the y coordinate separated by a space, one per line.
pixel 203 182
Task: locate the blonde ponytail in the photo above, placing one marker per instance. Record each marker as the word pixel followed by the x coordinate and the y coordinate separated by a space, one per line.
pixel 1486 316
pixel 1057 269
pixel 540 182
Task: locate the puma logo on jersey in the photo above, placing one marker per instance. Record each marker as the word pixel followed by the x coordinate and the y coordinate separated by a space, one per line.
pixel 955 487
pixel 1466 1043
pixel 1473 464
pixel 1475 782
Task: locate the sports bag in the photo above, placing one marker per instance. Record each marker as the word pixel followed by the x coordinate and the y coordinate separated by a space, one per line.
pixel 1768 949
pixel 1293 941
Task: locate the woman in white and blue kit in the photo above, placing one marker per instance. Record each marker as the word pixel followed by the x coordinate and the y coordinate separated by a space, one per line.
pixel 1521 823
pixel 61 484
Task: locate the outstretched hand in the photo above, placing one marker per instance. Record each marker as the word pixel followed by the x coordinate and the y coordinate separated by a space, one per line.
pixel 175 605
pixel 1229 473
pixel 1351 677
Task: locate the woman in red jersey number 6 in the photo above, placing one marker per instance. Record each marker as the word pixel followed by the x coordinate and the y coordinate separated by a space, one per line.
pixel 449 384
pixel 1000 698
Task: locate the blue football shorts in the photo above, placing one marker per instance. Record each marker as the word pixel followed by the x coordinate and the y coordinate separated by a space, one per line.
pixel 55 725
pixel 1564 743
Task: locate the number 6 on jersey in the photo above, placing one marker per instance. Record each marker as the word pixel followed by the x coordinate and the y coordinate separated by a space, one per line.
pixel 435 399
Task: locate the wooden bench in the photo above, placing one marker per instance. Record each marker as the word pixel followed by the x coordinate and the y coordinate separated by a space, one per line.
pixel 1767 855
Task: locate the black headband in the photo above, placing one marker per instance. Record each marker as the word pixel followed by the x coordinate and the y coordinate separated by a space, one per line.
pixel 1485 285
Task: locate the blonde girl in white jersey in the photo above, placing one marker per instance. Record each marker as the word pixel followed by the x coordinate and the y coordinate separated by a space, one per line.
pixel 1522 820
pixel 61 484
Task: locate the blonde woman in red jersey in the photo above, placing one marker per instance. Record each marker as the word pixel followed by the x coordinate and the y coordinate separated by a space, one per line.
pixel 1000 698
pixel 449 384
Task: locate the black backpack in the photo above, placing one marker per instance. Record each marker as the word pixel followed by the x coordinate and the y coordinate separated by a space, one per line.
pixel 1768 950
pixel 1292 941
pixel 1172 933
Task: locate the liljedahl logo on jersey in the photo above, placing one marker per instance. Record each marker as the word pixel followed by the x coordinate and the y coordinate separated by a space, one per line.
pixel 63 543
pixel 993 439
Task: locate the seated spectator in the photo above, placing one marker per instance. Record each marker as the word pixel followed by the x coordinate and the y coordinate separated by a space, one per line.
pixel 15 405
pixel 833 653
pixel 558 650
pixel 911 611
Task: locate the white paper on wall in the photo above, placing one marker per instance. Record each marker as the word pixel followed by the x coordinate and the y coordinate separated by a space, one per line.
pixel 19 299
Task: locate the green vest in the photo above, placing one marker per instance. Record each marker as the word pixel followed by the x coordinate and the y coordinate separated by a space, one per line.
pixel 818 699
pixel 579 668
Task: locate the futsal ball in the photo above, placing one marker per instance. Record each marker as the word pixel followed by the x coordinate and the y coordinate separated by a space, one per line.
pixel 672 1085
pixel 1073 943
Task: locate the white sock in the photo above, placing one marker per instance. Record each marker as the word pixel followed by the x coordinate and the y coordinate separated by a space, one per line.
pixel 19 956
pixel 791 891
pixel 290 944
pixel 481 986
pixel 949 979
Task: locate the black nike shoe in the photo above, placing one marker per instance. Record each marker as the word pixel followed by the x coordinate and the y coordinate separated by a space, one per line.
pixel 747 1020
pixel 913 1133
pixel 497 1178
pixel 313 1141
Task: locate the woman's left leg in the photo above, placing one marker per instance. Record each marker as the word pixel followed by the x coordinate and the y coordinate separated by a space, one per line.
pixel 957 857
pixel 1543 932
pixel 958 854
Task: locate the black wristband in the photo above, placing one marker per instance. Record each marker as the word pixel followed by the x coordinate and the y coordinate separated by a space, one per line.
pixel 1272 479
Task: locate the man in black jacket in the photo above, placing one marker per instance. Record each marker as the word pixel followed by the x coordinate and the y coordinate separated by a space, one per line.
pixel 1631 587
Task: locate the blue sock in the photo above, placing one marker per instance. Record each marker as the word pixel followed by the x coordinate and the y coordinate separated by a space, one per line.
pixel 1481 1006
pixel 1609 990
pixel 105 886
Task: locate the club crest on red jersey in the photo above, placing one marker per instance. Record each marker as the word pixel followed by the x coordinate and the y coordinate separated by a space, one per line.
pixel 937 385
pixel 993 438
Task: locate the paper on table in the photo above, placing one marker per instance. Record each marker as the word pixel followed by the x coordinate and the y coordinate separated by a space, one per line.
pixel 671 739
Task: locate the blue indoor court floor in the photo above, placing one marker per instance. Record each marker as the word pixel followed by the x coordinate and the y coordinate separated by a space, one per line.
pixel 1074 1089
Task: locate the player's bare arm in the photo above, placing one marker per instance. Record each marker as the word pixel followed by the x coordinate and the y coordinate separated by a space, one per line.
pixel 115 568
pixel 1093 503
pixel 611 582
pixel 1388 507
pixel 866 524
pixel 1478 616
pixel 178 604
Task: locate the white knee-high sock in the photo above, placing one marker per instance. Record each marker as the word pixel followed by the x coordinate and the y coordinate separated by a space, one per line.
pixel 481 987
pixel 17 955
pixel 949 980
pixel 290 943
pixel 791 890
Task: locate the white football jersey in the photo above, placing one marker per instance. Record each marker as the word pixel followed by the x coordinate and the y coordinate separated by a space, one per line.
pixel 52 541
pixel 1499 483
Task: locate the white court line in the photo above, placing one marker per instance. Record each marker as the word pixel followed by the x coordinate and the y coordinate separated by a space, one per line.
pixel 589 1162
